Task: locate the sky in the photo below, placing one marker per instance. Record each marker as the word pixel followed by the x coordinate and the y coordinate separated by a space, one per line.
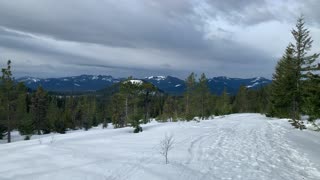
pixel 234 38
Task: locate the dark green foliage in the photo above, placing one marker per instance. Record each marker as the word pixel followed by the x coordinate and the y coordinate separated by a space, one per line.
pixel 294 88
pixel 284 86
pixel 105 123
pixel 136 120
pixel 3 131
pixel 202 101
pixel 55 120
pixel 132 105
pixel 241 103
pixel 59 126
pixel 26 127
pixel 312 97
pixel 39 108
pixel 118 110
pixel 170 109
pixel 190 97
pixel 9 95
pixel 223 104
pixel 26 138
pixel 148 91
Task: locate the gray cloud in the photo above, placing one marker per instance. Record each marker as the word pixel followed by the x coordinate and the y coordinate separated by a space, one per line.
pixel 142 37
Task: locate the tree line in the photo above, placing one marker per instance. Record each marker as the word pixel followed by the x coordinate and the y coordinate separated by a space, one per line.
pixel 129 103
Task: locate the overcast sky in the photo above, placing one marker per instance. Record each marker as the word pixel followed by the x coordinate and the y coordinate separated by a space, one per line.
pixel 235 38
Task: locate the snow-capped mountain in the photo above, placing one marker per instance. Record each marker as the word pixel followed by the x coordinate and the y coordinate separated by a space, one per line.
pixel 167 84
pixel 73 83
pixel 232 85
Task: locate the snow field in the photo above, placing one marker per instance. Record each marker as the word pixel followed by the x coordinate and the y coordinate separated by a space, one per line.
pixel 239 146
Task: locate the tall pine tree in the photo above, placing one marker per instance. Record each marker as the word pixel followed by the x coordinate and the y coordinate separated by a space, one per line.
pixel 294 71
pixel 9 99
pixel 203 94
pixel 283 95
pixel 189 96
pixel 39 106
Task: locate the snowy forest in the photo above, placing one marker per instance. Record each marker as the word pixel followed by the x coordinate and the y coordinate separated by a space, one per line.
pixel 295 91
pixel 160 90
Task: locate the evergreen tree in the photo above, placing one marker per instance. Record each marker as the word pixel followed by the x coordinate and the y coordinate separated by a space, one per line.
pixel 312 96
pixel 203 97
pixel 24 118
pixel 241 102
pixel 291 76
pixel 9 100
pixel 148 91
pixel 283 95
pixel 39 106
pixel 54 118
pixel 189 96
pixel 261 103
pixel 72 108
pixel 170 111
pixel 118 110
pixel 135 93
pixel 223 105
pixel 304 63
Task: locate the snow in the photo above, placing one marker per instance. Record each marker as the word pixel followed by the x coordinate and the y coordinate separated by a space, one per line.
pixel 178 85
pixel 107 79
pixel 257 79
pixel 29 79
pixel 157 78
pixel 138 82
pixel 239 146
pixel 95 77
pixel 253 85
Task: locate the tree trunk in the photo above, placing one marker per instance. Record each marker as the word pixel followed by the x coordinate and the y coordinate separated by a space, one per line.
pixel 126 118
pixel 187 105
pixel 9 125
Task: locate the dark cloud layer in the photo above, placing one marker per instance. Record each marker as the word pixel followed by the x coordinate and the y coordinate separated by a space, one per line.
pixel 143 37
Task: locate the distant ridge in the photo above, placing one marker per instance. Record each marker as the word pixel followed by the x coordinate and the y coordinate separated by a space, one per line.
pixel 168 84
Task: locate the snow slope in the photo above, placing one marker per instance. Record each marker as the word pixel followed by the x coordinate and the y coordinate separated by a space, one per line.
pixel 239 146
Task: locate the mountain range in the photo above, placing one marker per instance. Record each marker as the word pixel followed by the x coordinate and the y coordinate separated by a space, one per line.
pixel 168 84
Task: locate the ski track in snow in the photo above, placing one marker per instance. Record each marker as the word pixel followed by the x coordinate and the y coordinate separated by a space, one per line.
pixel 239 146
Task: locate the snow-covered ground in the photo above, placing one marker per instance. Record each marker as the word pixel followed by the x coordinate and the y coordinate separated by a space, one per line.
pixel 239 146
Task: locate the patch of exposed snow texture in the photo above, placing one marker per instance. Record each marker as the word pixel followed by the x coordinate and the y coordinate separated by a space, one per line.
pixel 107 79
pixel 28 79
pixel 138 82
pixel 240 146
pixel 257 79
pixel 157 78
pixel 33 79
pixel 253 85
pixel 95 77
